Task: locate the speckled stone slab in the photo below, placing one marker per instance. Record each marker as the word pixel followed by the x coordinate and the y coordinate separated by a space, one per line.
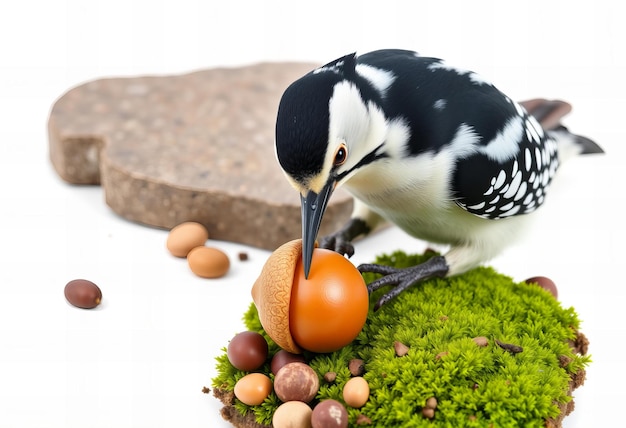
pixel 193 147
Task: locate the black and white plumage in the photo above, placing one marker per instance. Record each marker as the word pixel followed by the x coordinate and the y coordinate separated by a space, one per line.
pixel 434 149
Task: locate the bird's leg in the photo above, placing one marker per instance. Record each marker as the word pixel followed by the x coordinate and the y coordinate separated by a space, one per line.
pixel 341 240
pixel 403 278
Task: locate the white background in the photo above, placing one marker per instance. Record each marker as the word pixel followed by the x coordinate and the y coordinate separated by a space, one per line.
pixel 142 358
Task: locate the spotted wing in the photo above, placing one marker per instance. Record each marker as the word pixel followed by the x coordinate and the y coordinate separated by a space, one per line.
pixel 493 182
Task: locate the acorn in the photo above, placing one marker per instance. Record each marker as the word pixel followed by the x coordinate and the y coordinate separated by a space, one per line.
pixel 321 313
pixel 271 293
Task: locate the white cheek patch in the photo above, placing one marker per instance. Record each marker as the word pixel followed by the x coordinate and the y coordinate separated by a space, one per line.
pixel 348 114
pixel 398 133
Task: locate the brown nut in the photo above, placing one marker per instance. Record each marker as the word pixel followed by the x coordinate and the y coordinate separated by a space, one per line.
pixel 329 413
pixel 296 382
pixel 282 358
pixel 83 293
pixel 185 237
pixel 271 293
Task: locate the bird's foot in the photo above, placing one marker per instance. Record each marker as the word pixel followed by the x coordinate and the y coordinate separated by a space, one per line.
pixel 337 243
pixel 341 241
pixel 403 278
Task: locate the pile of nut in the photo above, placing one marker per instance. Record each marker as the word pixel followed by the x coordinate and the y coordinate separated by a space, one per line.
pixel 295 383
pixel 188 240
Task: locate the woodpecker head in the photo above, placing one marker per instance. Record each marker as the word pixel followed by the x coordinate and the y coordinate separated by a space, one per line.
pixel 327 128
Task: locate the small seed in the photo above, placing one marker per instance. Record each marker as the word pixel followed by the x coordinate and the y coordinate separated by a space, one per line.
pixel 400 348
pixel 428 412
pixel 431 403
pixel 356 367
pixel 481 341
pixel 441 355
pixel 363 420
pixel 330 377
pixel 513 349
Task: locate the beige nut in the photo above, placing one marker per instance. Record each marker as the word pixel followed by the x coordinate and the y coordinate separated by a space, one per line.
pixel 271 293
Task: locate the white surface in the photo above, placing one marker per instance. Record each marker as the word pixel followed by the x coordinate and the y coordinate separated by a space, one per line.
pixel 142 358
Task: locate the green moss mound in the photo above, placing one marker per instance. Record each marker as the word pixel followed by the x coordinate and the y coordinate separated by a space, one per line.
pixel 475 386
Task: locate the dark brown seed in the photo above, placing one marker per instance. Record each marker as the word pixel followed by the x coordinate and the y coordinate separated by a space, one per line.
pixel 243 256
pixel 513 349
pixel 83 294
pixel 356 367
pixel 330 377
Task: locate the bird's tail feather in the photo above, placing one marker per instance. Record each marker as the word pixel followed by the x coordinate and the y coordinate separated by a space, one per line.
pixel 549 114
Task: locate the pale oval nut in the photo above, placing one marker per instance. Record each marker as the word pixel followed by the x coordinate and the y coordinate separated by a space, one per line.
pixel 431 403
pixel 208 262
pixel 292 414
pixel 356 392
pixel 481 341
pixel 428 412
pixel 271 294
pixel 296 382
pixel 185 237
pixel 253 388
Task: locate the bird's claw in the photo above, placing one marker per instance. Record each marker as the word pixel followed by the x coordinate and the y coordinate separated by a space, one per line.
pixel 337 243
pixel 402 279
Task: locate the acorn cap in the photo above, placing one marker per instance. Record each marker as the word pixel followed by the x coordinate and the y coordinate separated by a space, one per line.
pixel 271 293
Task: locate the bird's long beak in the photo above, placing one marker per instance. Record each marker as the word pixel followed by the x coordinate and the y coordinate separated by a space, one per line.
pixel 313 207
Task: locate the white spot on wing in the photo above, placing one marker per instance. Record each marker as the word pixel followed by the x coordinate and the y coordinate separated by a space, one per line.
pixel 474 77
pixel 521 192
pixel 506 144
pixel 528 199
pixel 477 206
pixel 510 210
pixel 517 181
pixel 531 129
pixel 500 180
pixel 465 141
pixel 440 104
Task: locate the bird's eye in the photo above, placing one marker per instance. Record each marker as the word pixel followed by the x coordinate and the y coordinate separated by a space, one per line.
pixel 341 155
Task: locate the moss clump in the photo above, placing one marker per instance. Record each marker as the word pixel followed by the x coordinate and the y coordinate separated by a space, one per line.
pixel 475 386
